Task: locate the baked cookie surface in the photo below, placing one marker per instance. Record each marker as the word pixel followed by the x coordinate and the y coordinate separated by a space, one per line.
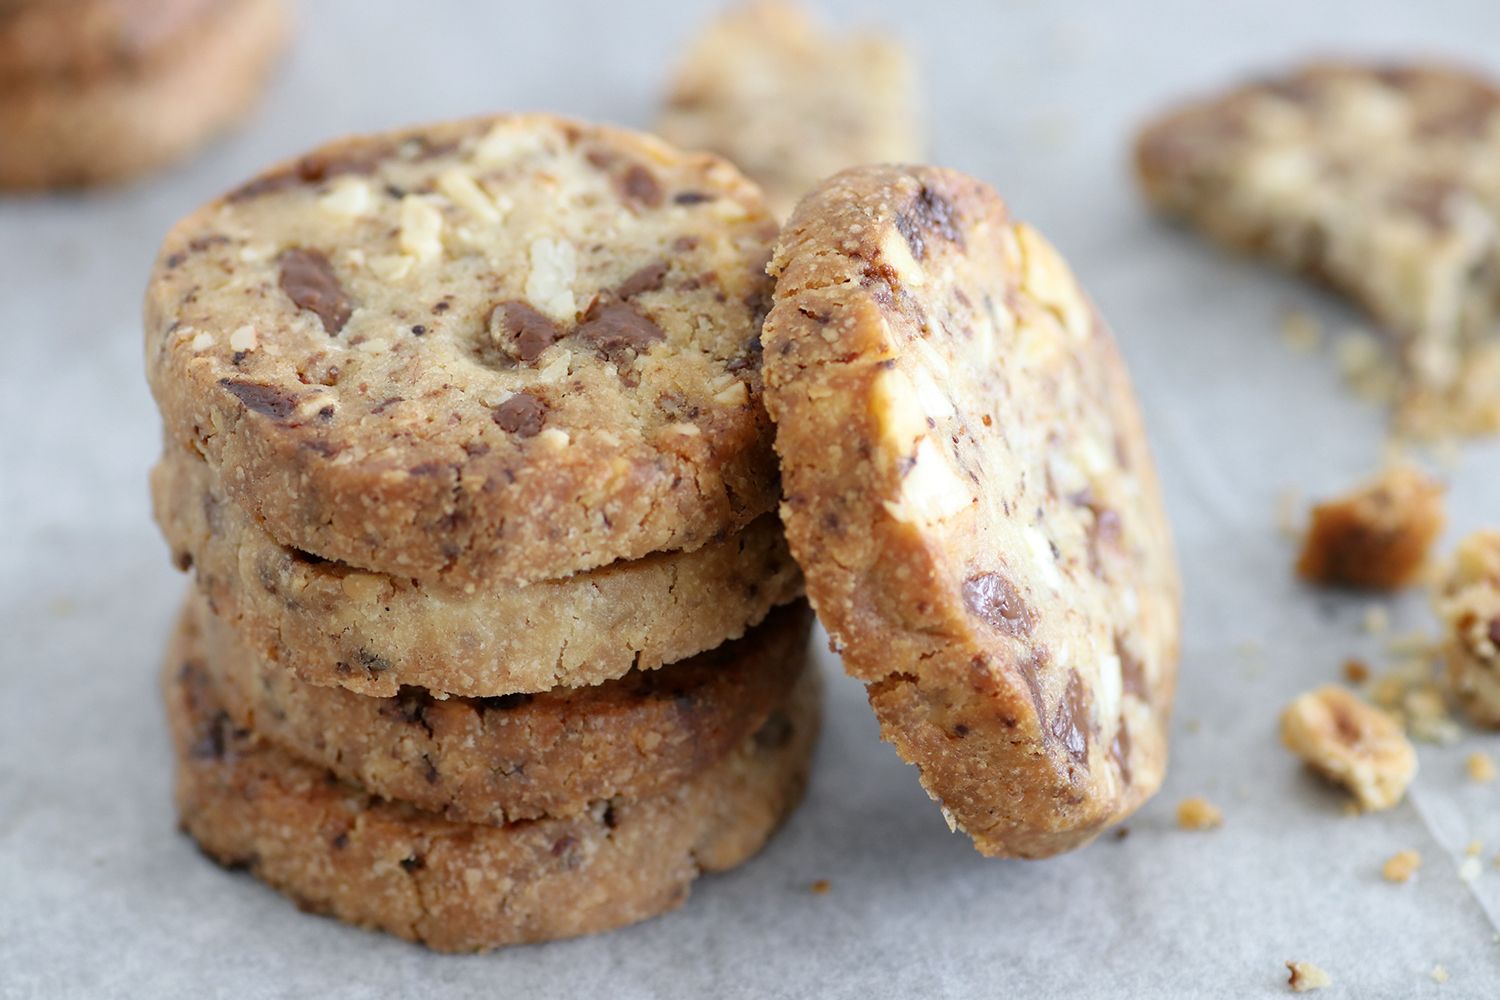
pixel 969 492
pixel 497 760
pixel 495 350
pixel 339 851
pixel 1467 599
pixel 101 91
pixel 375 632
pixel 1378 180
pixel 789 103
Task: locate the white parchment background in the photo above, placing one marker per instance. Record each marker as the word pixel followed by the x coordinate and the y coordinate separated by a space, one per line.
pixel 99 895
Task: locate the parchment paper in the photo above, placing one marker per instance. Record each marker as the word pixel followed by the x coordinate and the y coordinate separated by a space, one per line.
pixel 100 896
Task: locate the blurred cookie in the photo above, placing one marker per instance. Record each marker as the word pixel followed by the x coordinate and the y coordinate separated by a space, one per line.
pixel 971 497
pixel 768 88
pixel 495 350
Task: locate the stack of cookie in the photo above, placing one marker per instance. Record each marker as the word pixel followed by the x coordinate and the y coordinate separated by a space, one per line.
pixel 100 90
pixel 496 637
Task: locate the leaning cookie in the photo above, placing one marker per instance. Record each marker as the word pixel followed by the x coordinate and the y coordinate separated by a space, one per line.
pixel 970 495
pixel 375 633
pixel 104 90
pixel 496 350
pixel 465 887
pixel 497 760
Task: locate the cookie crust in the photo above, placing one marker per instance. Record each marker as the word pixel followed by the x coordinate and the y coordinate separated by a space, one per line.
pixel 373 633
pixel 498 760
pixel 461 887
pixel 971 497
pixel 495 350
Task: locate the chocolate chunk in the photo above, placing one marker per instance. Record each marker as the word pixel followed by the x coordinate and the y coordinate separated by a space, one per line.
pixel 522 414
pixel 415 863
pixel 1119 751
pixel 1030 669
pixel 645 279
pixel 1494 632
pixel 527 331
pixel 614 327
pixel 691 197
pixel 993 599
pixel 308 280
pixel 564 844
pixel 1070 723
pixel 640 184
pixel 213 738
pixel 929 214
pixel 267 400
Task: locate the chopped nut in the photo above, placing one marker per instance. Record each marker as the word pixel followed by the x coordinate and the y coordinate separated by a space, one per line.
pixel 244 339
pixel 1439 974
pixel 364 587
pixel 820 887
pixel 1481 767
pixel 1197 813
pixel 202 341
pixel 1377 620
pixel 1378 536
pixel 1306 977
pixel 1352 743
pixel 349 197
pixel 549 285
pixel 1356 672
pixel 460 189
pixel 421 228
pixel 1401 866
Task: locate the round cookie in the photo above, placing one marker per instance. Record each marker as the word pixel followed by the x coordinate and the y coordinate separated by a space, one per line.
pixel 466 887
pixel 374 633
pixel 497 760
pixel 970 495
pixel 495 350
pixel 132 90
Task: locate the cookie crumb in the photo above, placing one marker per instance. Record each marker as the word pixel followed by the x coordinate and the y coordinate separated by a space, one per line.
pixel 1467 600
pixel 1305 977
pixel 1197 813
pixel 1470 869
pixel 820 887
pixel 1481 767
pixel 1377 619
pixel 1352 743
pixel 1356 671
pixel 1376 536
pixel 1473 849
pixel 1401 866
pixel 1439 974
pixel 1301 331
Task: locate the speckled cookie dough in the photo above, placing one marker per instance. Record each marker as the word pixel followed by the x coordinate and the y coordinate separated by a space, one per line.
pixel 496 350
pixel 102 90
pixel 340 851
pixel 971 497
pixel 1380 181
pixel 374 632
pixel 497 760
pixel 1467 599
pixel 767 87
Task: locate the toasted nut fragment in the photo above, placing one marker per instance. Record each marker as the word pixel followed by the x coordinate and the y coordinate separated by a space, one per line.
pixel 1306 977
pixel 1439 974
pixel 1377 536
pixel 1468 602
pixel 1197 813
pixel 1350 742
pixel 1401 866
pixel 1481 767
pixel 820 887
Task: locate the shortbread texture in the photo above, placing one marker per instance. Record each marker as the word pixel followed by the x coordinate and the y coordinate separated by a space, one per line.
pixel 789 102
pixel 377 633
pixel 1467 599
pixel 1381 181
pixel 497 350
pixel 338 850
pixel 100 91
pixel 969 491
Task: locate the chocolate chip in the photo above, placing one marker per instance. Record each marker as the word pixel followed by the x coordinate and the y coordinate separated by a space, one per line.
pixel 267 400
pixel 1119 751
pixel 1070 723
pixel 213 738
pixel 312 169
pixel 614 327
pixel 645 279
pixel 928 214
pixel 340 841
pixel 418 330
pixel 1030 670
pixel 175 260
pixel 414 863
pixel 1494 632
pixel 640 184
pixel 564 844
pixel 993 599
pixel 609 818
pixel 523 330
pixel 691 197
pixel 308 280
pixel 522 414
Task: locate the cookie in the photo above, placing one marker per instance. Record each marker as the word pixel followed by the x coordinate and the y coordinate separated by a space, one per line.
pixel 971 497
pixel 768 88
pixel 1376 180
pixel 1467 600
pixel 104 90
pixel 374 633
pixel 497 760
pixel 337 850
pixel 498 350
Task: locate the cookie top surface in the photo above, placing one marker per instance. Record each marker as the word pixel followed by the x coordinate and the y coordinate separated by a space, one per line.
pixel 516 347
pixel 971 497
pixel 790 102
pixel 83 40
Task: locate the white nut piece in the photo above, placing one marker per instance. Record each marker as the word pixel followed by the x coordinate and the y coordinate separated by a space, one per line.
pixel 460 189
pixel 348 198
pixel 931 491
pixel 1050 281
pixel 549 285
pixel 421 229
pixel 1352 743
pixel 897 411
